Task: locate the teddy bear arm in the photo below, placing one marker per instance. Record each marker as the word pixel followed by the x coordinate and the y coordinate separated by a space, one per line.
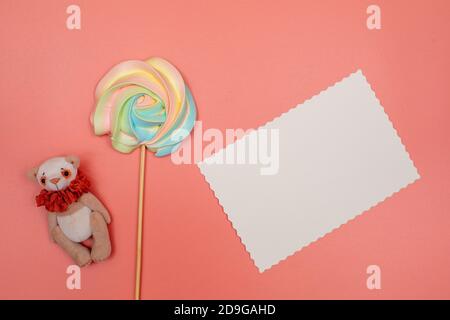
pixel 91 201
pixel 52 223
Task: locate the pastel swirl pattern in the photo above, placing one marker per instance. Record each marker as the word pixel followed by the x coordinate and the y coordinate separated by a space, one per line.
pixel 144 103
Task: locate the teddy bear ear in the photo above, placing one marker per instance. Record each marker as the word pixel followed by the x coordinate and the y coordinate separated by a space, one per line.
pixel 31 174
pixel 74 160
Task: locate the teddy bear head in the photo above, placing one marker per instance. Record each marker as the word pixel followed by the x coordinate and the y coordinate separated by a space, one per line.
pixel 55 174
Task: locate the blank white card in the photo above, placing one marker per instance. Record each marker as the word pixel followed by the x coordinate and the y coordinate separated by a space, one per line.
pixel 339 155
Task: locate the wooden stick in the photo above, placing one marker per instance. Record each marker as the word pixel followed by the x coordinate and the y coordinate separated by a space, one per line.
pixel 137 287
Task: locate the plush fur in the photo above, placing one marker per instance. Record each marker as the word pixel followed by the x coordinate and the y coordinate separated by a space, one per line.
pixel 85 218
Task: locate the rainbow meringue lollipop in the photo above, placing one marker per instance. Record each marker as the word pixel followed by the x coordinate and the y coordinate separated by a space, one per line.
pixel 143 105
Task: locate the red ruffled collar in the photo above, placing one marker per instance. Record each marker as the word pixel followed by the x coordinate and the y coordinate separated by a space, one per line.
pixel 59 201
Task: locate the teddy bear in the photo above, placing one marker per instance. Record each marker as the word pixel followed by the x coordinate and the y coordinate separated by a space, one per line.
pixel 74 214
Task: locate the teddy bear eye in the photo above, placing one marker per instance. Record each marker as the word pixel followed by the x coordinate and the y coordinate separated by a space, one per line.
pixel 43 180
pixel 66 173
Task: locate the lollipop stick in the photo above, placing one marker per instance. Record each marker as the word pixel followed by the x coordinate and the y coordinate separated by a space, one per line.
pixel 137 288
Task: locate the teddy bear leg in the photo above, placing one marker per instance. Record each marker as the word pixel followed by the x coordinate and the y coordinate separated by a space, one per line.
pixel 101 248
pixel 78 252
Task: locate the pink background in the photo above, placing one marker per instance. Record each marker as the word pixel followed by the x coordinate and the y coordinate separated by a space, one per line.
pixel 246 62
